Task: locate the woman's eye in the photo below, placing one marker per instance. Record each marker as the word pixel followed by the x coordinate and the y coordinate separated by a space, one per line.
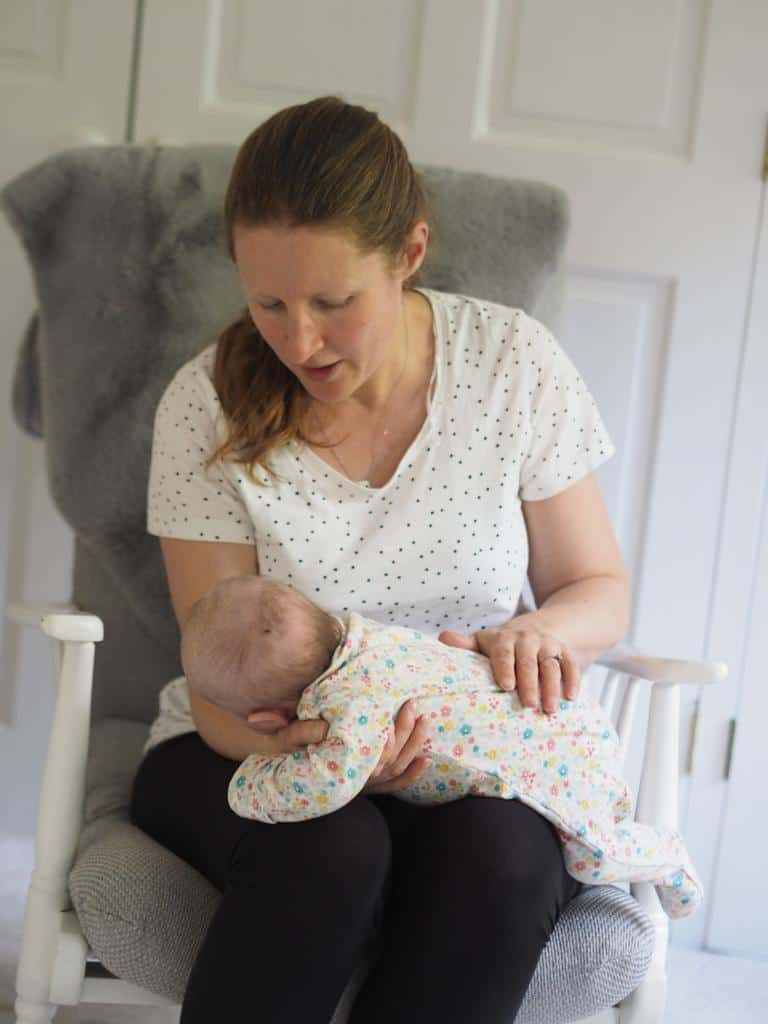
pixel 327 305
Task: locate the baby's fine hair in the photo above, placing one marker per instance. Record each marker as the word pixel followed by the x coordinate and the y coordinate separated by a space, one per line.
pixel 232 648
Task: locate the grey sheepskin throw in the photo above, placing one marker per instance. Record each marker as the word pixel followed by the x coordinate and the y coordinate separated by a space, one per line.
pixel 126 247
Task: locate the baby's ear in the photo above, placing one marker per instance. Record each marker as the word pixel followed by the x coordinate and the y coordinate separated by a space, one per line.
pixel 265 721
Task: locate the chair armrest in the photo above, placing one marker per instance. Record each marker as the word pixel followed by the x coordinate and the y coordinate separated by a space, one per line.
pixel 625 658
pixel 60 808
pixel 59 620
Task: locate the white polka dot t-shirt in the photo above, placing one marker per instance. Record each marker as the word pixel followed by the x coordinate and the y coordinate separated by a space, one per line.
pixel 442 545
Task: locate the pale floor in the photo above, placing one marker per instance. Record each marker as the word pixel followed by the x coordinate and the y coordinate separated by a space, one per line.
pixel 704 988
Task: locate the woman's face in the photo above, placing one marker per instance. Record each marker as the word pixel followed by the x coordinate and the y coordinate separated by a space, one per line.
pixel 317 302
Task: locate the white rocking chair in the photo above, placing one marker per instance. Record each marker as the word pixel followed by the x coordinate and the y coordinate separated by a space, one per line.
pixel 54 952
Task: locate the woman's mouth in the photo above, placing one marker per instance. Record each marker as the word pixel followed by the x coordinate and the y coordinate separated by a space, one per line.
pixel 322 372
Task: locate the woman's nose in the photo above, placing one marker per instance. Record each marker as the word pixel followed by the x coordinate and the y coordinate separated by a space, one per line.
pixel 301 340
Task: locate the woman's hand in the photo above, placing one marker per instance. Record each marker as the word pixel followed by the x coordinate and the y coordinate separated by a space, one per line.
pixel 280 734
pixel 526 657
pixel 400 763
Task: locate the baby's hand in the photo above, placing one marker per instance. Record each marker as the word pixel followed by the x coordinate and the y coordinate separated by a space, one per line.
pixel 400 764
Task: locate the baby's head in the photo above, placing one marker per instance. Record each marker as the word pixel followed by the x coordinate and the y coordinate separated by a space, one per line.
pixel 251 644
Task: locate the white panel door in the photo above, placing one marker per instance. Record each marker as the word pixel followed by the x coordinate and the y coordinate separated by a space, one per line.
pixel 739 903
pixel 65 72
pixel 651 117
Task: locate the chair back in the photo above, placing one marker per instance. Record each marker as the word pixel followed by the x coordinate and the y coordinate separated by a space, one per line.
pixel 132 279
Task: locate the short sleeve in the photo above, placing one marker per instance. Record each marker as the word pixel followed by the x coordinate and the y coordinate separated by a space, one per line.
pixel 567 437
pixel 184 500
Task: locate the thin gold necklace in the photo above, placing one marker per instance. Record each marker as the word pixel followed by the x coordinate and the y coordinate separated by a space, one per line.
pixel 366 482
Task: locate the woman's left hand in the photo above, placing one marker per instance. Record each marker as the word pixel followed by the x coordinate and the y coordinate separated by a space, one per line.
pixel 524 656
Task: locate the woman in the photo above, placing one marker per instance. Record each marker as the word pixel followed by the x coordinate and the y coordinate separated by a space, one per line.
pixel 408 454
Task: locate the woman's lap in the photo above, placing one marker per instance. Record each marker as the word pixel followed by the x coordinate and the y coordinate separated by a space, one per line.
pixel 432 876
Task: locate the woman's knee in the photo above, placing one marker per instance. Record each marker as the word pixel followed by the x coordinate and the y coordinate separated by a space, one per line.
pixel 347 851
pixel 500 847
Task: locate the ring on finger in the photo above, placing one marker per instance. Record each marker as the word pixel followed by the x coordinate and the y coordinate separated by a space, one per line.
pixel 557 657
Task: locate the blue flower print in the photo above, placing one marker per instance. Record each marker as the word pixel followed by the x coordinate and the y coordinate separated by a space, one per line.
pixel 527 734
pixel 351 773
pixel 298 788
pixel 362 719
pixel 389 663
pixel 465 730
pixel 447 679
pixel 240 782
pixel 562 771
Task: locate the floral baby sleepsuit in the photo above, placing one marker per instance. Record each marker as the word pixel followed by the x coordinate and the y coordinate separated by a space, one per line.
pixel 482 742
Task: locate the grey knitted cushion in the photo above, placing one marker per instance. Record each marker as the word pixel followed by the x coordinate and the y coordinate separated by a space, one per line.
pixel 144 911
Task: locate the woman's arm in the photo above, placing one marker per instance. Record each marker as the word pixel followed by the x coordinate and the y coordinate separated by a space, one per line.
pixel 576 571
pixel 581 588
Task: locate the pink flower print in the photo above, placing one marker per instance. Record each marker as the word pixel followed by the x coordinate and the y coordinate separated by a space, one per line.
pixel 553 790
pixel 333 766
pixel 580 865
pixel 458 750
pixel 529 777
pixel 445 711
pixel 365 750
pixel 550 744
pixel 255 804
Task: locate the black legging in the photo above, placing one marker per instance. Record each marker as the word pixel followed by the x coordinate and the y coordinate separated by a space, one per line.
pixel 465 895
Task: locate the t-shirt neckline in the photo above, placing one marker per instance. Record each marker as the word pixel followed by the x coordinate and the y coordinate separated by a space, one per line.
pixel 305 455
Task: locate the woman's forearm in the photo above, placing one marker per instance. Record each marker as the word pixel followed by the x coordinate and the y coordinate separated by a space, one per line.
pixel 229 736
pixel 589 616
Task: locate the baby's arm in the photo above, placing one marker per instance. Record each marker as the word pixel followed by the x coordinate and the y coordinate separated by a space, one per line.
pixel 318 779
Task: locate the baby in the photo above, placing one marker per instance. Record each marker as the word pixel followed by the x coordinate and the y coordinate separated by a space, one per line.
pixel 251 644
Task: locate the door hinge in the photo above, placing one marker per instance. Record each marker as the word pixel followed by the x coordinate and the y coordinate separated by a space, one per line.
pixel 729 747
pixel 691 743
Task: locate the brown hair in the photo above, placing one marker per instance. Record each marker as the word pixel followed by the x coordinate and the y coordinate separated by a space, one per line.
pixel 323 163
